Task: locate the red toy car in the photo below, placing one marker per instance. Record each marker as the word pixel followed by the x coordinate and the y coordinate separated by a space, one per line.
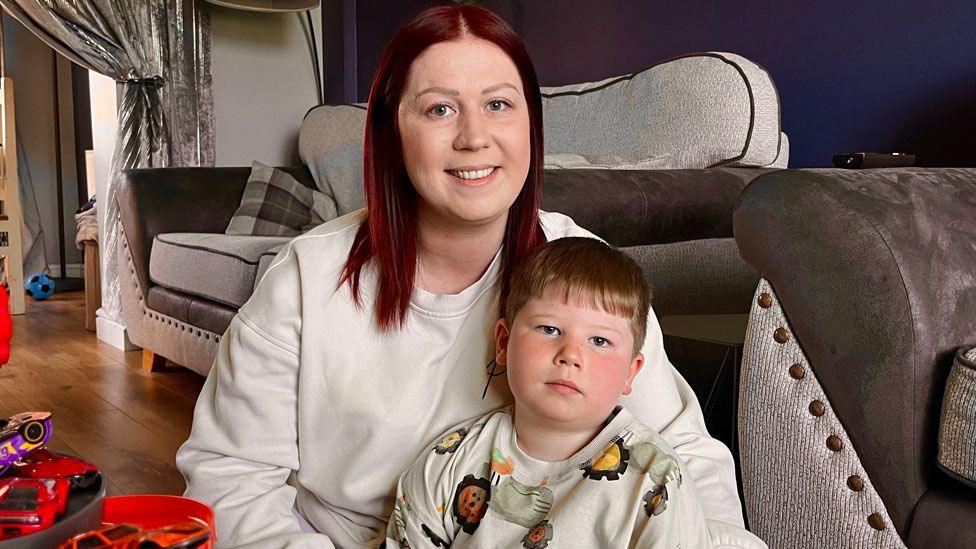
pixel 43 463
pixel 186 535
pixel 30 505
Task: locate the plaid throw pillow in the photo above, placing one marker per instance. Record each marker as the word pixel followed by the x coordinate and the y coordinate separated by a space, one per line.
pixel 275 204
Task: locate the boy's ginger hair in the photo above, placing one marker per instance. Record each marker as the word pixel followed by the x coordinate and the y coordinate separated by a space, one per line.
pixel 586 271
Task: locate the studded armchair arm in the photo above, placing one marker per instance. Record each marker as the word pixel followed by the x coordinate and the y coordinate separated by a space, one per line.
pixel 860 309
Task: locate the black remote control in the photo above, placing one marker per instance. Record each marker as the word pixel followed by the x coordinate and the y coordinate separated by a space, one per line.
pixel 863 160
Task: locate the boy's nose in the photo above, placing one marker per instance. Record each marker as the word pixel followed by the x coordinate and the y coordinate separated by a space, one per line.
pixel 570 355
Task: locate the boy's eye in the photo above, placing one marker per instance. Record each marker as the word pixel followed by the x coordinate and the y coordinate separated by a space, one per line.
pixel 601 341
pixel 548 330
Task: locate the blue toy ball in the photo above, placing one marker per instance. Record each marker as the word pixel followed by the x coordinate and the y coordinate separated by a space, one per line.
pixel 39 286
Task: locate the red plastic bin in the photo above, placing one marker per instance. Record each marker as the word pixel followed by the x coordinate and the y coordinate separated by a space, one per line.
pixel 154 511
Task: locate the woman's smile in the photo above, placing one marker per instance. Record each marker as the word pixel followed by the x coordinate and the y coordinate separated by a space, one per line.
pixel 474 178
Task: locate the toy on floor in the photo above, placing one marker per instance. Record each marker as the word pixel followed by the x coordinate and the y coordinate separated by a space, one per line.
pixel 30 505
pixel 43 463
pixel 39 286
pixel 36 484
pixel 186 535
pixel 21 434
pixel 149 520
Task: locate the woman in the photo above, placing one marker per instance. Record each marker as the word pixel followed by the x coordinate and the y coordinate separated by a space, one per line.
pixel 370 335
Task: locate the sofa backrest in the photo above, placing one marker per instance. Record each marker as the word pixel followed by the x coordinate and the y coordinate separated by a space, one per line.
pixel 701 110
pixel 874 270
pixel 695 111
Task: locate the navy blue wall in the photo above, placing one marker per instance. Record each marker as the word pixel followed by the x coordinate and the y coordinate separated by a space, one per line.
pixel 878 75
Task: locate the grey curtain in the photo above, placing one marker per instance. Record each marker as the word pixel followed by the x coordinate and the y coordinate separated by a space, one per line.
pixel 159 53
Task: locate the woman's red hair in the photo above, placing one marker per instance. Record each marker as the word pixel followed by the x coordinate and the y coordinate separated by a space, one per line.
pixel 389 232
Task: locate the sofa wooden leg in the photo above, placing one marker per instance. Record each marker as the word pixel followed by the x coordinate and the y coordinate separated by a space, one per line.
pixel 151 362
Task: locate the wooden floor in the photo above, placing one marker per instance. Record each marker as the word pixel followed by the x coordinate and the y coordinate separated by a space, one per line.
pixel 106 409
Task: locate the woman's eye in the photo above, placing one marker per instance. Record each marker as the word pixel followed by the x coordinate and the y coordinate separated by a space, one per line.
pixel 548 330
pixel 601 341
pixel 440 110
pixel 499 105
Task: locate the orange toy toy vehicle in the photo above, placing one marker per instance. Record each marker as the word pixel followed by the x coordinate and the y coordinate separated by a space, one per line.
pixel 187 535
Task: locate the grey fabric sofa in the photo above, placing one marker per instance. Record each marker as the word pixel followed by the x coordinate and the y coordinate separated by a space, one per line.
pixel 712 119
pixel 868 289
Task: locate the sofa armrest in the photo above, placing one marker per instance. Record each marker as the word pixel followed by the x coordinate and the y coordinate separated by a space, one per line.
pixel 166 200
pixel 642 207
pixel 873 269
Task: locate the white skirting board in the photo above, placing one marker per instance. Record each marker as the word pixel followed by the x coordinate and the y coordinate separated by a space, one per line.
pixel 113 333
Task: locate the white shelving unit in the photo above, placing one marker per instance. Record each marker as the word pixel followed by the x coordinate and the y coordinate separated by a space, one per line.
pixel 10 210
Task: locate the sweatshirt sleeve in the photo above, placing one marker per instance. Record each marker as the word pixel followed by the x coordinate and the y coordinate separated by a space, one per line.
pixel 663 400
pixel 674 518
pixel 410 525
pixel 243 444
pixel 416 520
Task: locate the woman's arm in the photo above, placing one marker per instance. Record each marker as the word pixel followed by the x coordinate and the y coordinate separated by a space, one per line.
pixel 243 445
pixel 663 400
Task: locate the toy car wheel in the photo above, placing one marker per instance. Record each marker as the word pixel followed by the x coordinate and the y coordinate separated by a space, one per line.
pixel 83 481
pixel 33 431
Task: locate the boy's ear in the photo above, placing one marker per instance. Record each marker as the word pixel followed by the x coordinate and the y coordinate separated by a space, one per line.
pixel 635 367
pixel 501 342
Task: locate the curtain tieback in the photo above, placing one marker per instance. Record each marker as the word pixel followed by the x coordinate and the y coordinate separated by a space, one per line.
pixel 155 81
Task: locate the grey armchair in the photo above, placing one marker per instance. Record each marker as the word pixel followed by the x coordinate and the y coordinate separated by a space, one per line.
pixel 868 289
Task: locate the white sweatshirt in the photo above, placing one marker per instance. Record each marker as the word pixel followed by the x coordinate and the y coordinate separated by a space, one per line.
pixel 474 487
pixel 309 407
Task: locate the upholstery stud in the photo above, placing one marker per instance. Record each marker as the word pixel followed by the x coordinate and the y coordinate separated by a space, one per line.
pixel 765 300
pixel 796 371
pixel 876 521
pixel 834 443
pixel 781 336
pixel 855 483
pixel 817 408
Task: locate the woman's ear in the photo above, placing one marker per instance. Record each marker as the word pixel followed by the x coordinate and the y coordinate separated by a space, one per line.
pixel 501 342
pixel 635 367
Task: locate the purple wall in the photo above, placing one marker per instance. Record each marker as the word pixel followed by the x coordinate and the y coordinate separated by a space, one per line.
pixel 878 75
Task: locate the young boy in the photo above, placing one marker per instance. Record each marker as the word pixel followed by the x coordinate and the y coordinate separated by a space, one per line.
pixel 565 466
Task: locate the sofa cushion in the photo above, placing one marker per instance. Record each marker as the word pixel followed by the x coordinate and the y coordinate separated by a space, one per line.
pixel 702 110
pixel 275 204
pixel 637 207
pixel 219 267
pixel 957 426
pixel 197 311
pixel 573 161
pixel 943 517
